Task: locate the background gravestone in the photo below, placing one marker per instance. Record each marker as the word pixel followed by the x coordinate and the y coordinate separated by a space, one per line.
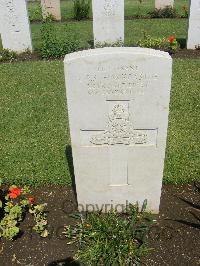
pixel 194 25
pixel 108 21
pixel 51 7
pixel 15 30
pixel 160 4
pixel 118 104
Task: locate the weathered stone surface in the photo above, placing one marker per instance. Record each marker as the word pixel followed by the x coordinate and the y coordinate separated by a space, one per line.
pixel 108 21
pixel 194 25
pixel 118 104
pixel 15 28
pixel 51 7
pixel 160 4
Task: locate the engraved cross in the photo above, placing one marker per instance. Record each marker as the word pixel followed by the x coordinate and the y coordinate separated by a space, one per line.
pixel 119 136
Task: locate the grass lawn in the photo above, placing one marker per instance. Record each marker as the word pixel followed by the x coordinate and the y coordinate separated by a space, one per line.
pixel 35 133
pixel 132 8
pixel 134 30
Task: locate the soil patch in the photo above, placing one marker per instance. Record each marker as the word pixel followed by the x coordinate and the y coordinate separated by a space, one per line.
pixel 175 238
pixel 181 53
pixel 190 54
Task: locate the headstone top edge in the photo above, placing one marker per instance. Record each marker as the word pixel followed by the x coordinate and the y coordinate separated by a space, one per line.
pixel 117 50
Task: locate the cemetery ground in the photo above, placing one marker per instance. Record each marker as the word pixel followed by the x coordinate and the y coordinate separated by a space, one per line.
pixel 35 151
pixel 35 148
pixel 81 32
pixel 133 9
pixel 173 240
pixel 35 135
pixel 134 29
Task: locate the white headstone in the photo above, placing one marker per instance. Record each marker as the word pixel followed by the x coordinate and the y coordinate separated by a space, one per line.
pixel 51 7
pixel 194 25
pixel 118 105
pixel 108 21
pixel 160 4
pixel 15 29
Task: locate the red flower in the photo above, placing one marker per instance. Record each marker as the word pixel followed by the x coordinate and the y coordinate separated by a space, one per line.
pixel 31 200
pixel 14 192
pixel 171 39
pixel 12 195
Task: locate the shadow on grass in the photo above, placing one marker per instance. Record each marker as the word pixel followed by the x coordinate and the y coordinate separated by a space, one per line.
pixel 182 42
pixel 65 262
pixel 68 154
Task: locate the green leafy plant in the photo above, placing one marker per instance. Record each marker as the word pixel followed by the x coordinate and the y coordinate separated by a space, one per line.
pixel 40 218
pixel 54 46
pixel 81 9
pixel 149 42
pixel 170 45
pixel 15 202
pixel 185 12
pixel 173 44
pixel 167 12
pixel 139 8
pixel 7 55
pixel 112 238
pixel 118 43
pixel 35 12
